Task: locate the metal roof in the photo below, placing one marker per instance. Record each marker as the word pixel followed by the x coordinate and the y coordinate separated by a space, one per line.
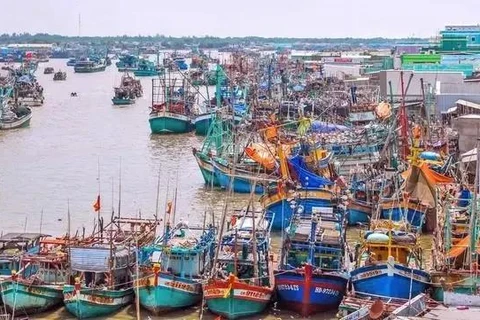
pixel 12 237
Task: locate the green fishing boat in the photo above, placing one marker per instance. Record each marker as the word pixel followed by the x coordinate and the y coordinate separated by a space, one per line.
pixel 38 287
pixel 89 66
pixel 103 268
pixel 171 277
pixel 146 68
pixel 170 111
pixel 129 89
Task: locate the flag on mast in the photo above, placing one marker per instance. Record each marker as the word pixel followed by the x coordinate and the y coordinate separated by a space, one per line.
pixel 96 205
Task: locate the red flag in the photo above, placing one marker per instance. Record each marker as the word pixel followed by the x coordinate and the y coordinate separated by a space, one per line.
pixel 96 205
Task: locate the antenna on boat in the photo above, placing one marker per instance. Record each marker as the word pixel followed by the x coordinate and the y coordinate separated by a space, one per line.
pixel 119 187
pixel 166 205
pixel 41 221
pixel 175 201
pixel 158 193
pixel 25 225
pixel 113 210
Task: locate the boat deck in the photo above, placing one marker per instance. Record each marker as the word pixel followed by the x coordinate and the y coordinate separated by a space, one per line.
pixel 326 232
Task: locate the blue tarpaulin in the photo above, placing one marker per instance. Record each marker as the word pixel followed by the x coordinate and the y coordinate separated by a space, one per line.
pixel 307 178
pixel 322 127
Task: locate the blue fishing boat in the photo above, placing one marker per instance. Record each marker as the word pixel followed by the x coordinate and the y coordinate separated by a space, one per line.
pixel 312 192
pixel 242 282
pixel 102 268
pixel 240 180
pixel 38 286
pixel 170 278
pixel 389 264
pixel 311 276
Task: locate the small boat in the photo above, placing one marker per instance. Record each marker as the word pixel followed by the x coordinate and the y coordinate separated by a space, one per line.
pixel 89 66
pixel 102 268
pixel 170 110
pixel 38 287
pixel 171 278
pixel 242 284
pixel 127 63
pixel 71 62
pixel 311 277
pixel 13 246
pixel 60 75
pixel 15 117
pixel 146 68
pixel 48 70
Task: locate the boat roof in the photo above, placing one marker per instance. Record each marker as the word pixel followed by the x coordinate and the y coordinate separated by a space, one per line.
pixel 12 237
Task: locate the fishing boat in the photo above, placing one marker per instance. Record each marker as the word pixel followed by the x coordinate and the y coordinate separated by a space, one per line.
pixel 102 268
pixel 127 62
pixel 71 62
pixel 38 286
pixel 48 70
pixel 15 117
pixel 242 283
pixel 13 246
pixel 389 263
pixel 171 105
pixel 60 76
pixel 89 66
pixel 312 275
pixel 145 68
pixel 240 180
pixel 309 190
pixel 364 194
pixel 171 277
pixel 455 247
pixel 130 88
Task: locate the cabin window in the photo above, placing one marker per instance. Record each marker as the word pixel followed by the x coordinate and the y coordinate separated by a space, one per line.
pixel 473 39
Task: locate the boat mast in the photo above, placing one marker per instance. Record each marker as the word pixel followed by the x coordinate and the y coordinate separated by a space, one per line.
pixel 473 216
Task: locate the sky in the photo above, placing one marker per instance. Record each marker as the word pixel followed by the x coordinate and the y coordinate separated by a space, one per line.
pixel 266 18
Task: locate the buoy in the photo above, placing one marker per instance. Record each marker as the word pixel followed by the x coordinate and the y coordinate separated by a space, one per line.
pixel 377 238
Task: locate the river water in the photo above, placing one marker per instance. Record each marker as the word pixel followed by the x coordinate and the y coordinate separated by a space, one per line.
pixel 53 167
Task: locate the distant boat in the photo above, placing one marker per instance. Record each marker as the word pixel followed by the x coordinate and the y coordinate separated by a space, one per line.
pixel 48 70
pixel 171 112
pixel 89 66
pixel 146 68
pixel 13 118
pixel 59 76
pixel 71 62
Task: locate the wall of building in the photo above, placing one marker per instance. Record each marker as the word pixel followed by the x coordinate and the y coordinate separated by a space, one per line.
pixel 432 79
pixel 468 128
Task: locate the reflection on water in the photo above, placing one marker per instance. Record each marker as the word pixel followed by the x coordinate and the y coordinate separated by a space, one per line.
pixel 55 162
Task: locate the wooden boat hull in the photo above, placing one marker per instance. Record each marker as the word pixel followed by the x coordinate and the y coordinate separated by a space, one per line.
pixel 206 168
pixel 389 281
pixel 242 183
pixel 168 292
pixel 122 102
pixel 202 123
pixel 237 299
pixel 19 123
pixel 31 299
pixel 166 122
pixel 310 294
pixel 359 212
pixel 89 303
pixel 280 209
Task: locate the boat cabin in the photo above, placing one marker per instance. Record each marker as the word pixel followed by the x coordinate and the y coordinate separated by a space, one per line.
pixel 13 246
